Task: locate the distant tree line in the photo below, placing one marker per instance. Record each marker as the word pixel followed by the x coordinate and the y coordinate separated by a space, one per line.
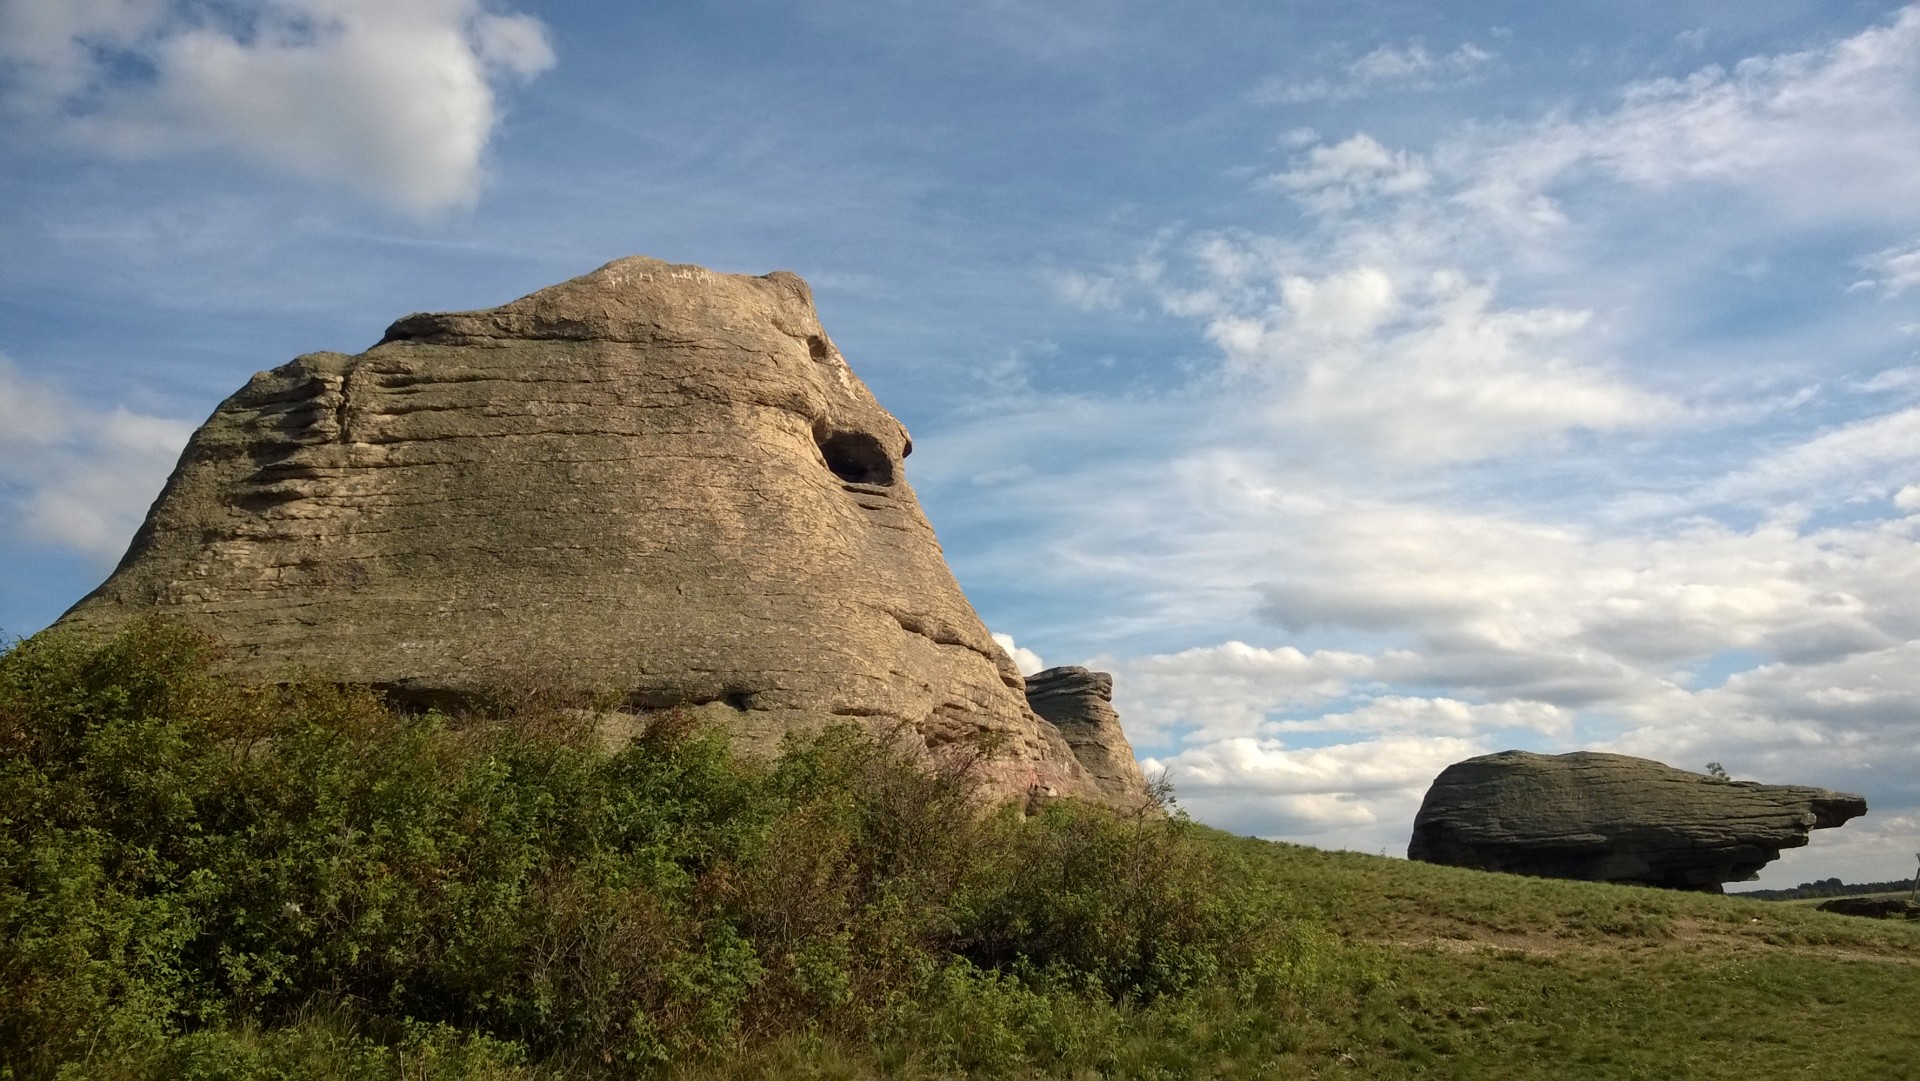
pixel 1828 887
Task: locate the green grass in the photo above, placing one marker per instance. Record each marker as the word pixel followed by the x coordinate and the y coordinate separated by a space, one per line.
pixel 204 880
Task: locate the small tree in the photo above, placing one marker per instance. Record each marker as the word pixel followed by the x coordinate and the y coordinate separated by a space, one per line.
pixel 1717 771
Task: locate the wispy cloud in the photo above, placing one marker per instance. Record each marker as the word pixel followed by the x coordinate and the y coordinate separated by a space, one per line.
pixel 1338 178
pixel 1408 66
pixel 1826 134
pixel 1893 271
pixel 1088 292
pixel 1856 458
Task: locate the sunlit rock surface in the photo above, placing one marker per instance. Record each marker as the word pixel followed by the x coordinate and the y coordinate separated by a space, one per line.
pixel 653 485
pixel 1614 818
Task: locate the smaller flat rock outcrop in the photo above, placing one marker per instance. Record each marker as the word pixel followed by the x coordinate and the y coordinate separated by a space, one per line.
pixel 1879 908
pixel 1079 702
pixel 1615 818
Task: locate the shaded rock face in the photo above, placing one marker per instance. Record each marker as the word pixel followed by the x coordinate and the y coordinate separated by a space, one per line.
pixel 653 483
pixel 1079 703
pixel 1613 818
pixel 1879 908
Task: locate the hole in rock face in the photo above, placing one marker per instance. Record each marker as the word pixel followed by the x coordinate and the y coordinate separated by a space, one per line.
pixel 817 347
pixel 857 458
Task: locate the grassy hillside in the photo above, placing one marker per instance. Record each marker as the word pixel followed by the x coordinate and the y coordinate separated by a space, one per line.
pixel 204 880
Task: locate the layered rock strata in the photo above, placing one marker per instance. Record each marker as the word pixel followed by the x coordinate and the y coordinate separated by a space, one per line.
pixel 652 485
pixel 1613 818
pixel 1079 703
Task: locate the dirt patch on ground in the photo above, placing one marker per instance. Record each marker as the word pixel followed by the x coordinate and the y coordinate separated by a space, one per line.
pixel 1538 945
pixel 1686 934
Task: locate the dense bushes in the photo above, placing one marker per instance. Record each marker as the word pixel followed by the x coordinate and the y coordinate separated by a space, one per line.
pixel 189 866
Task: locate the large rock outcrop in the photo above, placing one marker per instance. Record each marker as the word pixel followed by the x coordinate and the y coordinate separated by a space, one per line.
pixel 652 484
pixel 1613 818
pixel 1079 703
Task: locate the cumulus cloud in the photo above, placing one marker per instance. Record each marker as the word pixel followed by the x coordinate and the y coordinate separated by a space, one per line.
pixel 77 478
pixel 1876 848
pixel 1417 366
pixel 1836 704
pixel 1341 794
pixel 1784 648
pixel 394 99
pixel 1229 689
pixel 1026 660
pixel 1435 716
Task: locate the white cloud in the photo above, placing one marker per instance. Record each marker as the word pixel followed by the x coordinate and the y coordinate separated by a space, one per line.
pixel 394 99
pixel 1903 379
pixel 1876 848
pixel 1385 330
pixel 1406 63
pixel 1692 40
pixel 1226 690
pixel 1435 716
pixel 1410 66
pixel 1823 135
pixel 1852 455
pixel 1893 271
pixel 1499 603
pixel 1352 795
pixel 1088 292
pixel 1026 660
pixel 77 478
pixel 1332 179
pixel 1416 368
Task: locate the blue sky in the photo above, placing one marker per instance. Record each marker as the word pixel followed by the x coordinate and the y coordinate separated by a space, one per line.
pixel 1366 385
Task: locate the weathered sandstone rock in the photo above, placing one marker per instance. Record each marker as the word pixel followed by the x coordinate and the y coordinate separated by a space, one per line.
pixel 1080 704
pixel 1609 817
pixel 653 483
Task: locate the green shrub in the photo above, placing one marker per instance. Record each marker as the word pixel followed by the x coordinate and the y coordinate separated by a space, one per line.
pixel 190 868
